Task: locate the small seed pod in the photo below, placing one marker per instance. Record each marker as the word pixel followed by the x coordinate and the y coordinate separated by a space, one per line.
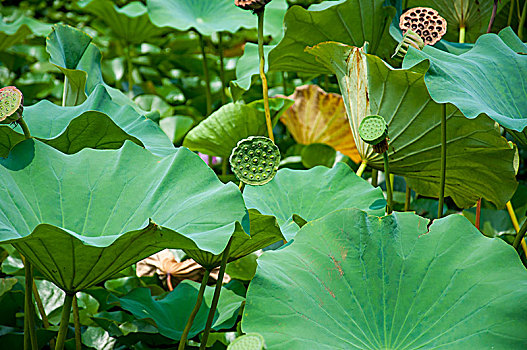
pixel 11 100
pixel 374 131
pixel 410 38
pixel 255 160
pixel 253 5
pixel 424 21
pixel 249 341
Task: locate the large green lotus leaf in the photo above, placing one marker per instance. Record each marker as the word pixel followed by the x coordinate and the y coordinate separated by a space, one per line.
pixel 171 313
pixel 352 22
pixel 370 86
pixel 264 232
pixel 97 123
pixel 363 282
pixel 81 218
pixel 296 196
pixel 205 16
pixel 220 132
pixel 248 69
pixel 474 15
pixel 130 23
pixel 16 31
pixel 488 79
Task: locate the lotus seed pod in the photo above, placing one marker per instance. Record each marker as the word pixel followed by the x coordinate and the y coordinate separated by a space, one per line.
pixel 249 341
pixel 248 160
pixel 424 21
pixel 410 38
pixel 253 5
pixel 374 131
pixel 11 100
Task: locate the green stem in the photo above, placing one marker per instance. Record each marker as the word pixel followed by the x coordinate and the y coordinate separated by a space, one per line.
pixel 326 82
pixel 64 321
pixel 284 83
pixel 361 168
pixel 208 94
pixel 492 16
pixel 388 182
pixel 216 296
pixel 30 337
pixel 408 198
pixel 199 300
pixel 511 12
pixel 65 91
pixel 25 128
pixel 265 91
pixel 374 177
pixel 222 69
pixel 443 163
pixel 461 34
pixel 42 312
pixel 77 324
pixel 522 21
pixel 241 186
pixel 520 235
pixel 129 69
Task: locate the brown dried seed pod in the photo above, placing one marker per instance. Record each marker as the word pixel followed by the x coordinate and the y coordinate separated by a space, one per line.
pixel 253 5
pixel 424 21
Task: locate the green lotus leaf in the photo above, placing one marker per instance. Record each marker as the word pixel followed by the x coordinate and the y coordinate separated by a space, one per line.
pixel 474 15
pixel 130 23
pixel 264 232
pixel 171 313
pixel 492 88
pixel 82 218
pixel 97 123
pixel 205 16
pixel 16 31
pixel 363 282
pixel 176 127
pixel 401 97
pixel 352 22
pixel 311 194
pixel 220 132
pixel 248 69
pixel 80 61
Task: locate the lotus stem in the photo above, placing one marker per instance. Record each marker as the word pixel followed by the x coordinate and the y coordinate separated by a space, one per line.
pixel 199 300
pixel 30 336
pixel 408 198
pixel 222 68
pixel 516 225
pixel 374 177
pixel 241 186
pixel 388 182
pixel 511 12
pixel 64 321
pixel 129 72
pixel 265 91
pixel 462 34
pixel 169 282
pixel 25 128
pixel 520 235
pixel 42 312
pixel 77 324
pixel 216 297
pixel 208 94
pixel 361 168
pixel 442 180
pixel 493 15
pixel 284 83
pixel 478 214
pixel 522 21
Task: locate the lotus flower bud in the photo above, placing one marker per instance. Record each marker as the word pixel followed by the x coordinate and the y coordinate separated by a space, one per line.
pixel 11 101
pixel 253 5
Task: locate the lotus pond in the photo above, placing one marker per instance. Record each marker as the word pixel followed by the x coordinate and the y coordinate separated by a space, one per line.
pixel 263 174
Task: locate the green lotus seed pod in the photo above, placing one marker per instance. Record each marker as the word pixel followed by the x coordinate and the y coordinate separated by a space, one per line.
pixel 253 159
pixel 373 129
pixel 11 100
pixel 249 341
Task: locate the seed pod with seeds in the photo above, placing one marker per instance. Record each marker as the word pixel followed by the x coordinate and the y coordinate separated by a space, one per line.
pixel 410 38
pixel 424 21
pixel 11 101
pixel 255 160
pixel 253 5
pixel 374 131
